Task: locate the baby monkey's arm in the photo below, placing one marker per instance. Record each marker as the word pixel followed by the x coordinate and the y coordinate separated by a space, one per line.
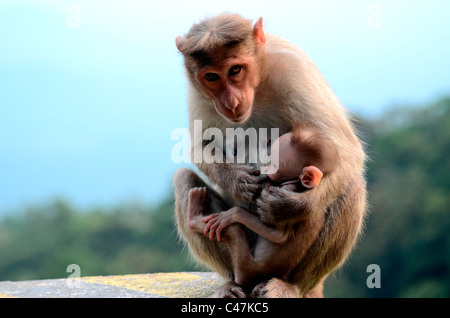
pixel 218 221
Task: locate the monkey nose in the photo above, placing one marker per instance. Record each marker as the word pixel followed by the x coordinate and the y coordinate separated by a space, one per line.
pixel 231 105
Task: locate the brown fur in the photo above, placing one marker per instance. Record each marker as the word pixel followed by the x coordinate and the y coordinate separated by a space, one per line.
pixel 221 31
pixel 315 147
pixel 287 89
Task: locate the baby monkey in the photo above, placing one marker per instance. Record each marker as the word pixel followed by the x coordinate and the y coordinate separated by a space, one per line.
pixel 305 156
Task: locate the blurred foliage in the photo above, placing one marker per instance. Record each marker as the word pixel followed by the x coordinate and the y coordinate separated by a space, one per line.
pixel 406 230
pixel 43 241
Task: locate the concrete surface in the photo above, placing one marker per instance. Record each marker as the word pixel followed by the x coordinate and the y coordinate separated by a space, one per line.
pixel 172 285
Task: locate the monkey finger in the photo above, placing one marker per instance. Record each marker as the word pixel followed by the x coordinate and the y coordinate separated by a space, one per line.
pixel 262 206
pixel 219 231
pixel 219 237
pixel 259 200
pixel 207 227
pixel 256 179
pixel 206 219
pixel 253 189
pixel 263 179
pixel 208 231
pixel 258 184
pixel 212 230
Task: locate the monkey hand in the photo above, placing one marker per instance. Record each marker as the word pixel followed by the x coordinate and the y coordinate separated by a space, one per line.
pixel 245 183
pixel 216 222
pixel 274 203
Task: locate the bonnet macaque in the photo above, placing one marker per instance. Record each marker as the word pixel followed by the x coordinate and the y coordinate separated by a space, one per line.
pixel 304 156
pixel 239 76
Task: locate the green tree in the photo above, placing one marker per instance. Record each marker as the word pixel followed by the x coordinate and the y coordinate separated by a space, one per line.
pixel 41 242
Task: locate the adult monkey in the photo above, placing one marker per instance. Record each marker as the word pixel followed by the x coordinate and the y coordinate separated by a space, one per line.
pixel 238 76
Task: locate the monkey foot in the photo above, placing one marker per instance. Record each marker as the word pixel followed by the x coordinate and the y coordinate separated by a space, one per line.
pixel 230 290
pixel 274 288
pixel 199 200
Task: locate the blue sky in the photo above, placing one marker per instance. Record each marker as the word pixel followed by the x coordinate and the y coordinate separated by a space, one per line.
pixel 86 113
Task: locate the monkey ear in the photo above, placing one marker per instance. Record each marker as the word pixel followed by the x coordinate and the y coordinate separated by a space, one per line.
pixel 179 41
pixel 258 32
pixel 311 176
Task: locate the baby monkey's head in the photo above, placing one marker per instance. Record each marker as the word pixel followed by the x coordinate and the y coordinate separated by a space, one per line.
pixel 303 154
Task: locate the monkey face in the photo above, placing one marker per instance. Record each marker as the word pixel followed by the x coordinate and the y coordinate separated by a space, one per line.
pixel 222 59
pixel 231 87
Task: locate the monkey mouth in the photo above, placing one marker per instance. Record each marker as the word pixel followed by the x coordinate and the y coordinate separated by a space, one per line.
pixel 238 120
pixel 241 118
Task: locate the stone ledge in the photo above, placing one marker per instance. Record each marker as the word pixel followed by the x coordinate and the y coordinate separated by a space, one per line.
pixel 171 285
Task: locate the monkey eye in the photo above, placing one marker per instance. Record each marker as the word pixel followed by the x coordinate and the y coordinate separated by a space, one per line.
pixel 234 70
pixel 211 77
